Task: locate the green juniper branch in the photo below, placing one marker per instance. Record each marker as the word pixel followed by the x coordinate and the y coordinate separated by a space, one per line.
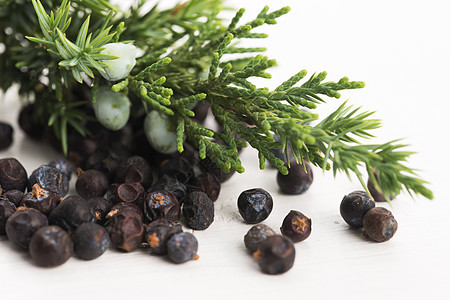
pixel 183 63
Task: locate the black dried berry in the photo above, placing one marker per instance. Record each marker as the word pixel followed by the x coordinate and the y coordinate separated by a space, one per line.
pixel 275 255
pixel 182 247
pixel 41 199
pixel 296 226
pixel 90 240
pixel 15 196
pixel 92 183
pixel 13 175
pixel 255 205
pixel 354 206
pixel 130 192
pixel 158 233
pixel 161 205
pixel 170 184
pixel 123 206
pixel 49 178
pixel 64 166
pixel 207 183
pixel 135 169
pixel 297 181
pixel 99 207
pixel 21 226
pixel 50 246
pixel 379 224
pixel 198 210
pixel 70 213
pixel 256 235
pixel 6 135
pixel 7 209
pixel 179 168
pixel 126 230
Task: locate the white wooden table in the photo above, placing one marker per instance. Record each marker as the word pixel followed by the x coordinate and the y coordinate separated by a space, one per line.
pixel 401 49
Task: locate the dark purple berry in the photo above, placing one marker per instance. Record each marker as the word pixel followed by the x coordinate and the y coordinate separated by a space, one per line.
pixel 15 196
pixel 297 181
pixel 170 184
pixel 64 166
pixel 379 224
pixel 126 230
pixel 70 213
pixel 296 226
pixel 354 206
pixel 42 199
pixel 90 240
pixel 198 210
pixel 255 205
pixel 161 205
pixel 182 247
pixel 158 233
pixel 275 255
pixel 29 124
pixel 92 183
pixel 105 161
pixel 7 209
pixel 129 192
pixel 13 175
pixel 256 235
pixel 123 206
pixel 207 183
pixel 49 178
pixel 21 226
pixel 99 207
pixel 179 168
pixel 6 135
pixel 50 246
pixel 135 169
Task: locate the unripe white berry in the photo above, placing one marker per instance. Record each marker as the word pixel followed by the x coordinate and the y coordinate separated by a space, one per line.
pixel 120 67
pixel 160 130
pixel 111 109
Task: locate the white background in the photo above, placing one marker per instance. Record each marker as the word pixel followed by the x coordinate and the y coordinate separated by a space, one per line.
pixel 400 49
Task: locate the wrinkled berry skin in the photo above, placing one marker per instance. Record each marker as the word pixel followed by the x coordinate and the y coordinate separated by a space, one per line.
pixel 44 200
pixel 13 175
pixel 90 240
pixel 126 230
pixel 209 184
pixel 297 181
pixel 158 233
pixel 7 209
pixel 99 207
pixel 92 183
pixel 172 185
pixel 179 168
pixel 135 169
pixel 15 196
pixel 379 224
pixel 21 226
pixel 182 247
pixel 123 206
pixel 296 226
pixel 256 235
pixel 71 213
pixel 255 205
pixel 50 246
pixel 49 178
pixel 198 210
pixel 64 166
pixel 354 206
pixel 161 205
pixel 130 192
pixel 6 135
pixel 275 255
